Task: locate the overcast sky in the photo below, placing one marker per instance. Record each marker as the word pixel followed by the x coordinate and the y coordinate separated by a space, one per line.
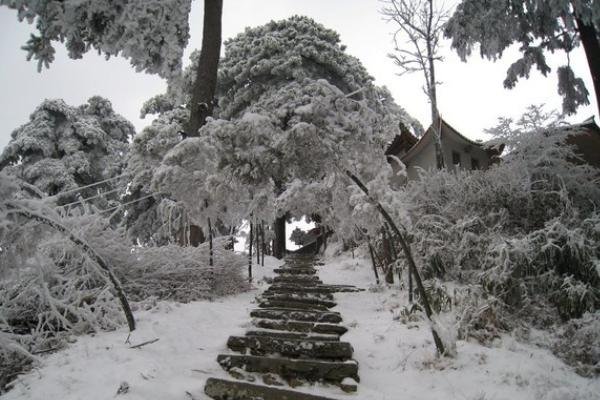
pixel 471 96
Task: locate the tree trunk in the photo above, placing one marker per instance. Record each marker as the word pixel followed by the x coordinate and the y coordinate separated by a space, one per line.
pixel 90 252
pixel 436 121
pixel 591 45
pixel 279 241
pixel 435 114
pixel 205 82
pixel 407 253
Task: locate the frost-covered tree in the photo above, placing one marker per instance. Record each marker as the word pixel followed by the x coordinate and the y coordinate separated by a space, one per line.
pixel 270 71
pixel 419 24
pixel 63 148
pixel 537 27
pixel 152 34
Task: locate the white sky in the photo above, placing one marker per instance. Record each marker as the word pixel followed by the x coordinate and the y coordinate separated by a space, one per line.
pixel 470 98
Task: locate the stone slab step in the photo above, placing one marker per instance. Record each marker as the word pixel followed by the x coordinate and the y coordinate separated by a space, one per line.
pixel 315 288
pixel 222 389
pixel 299 326
pixel 298 305
pixel 297 279
pixel 310 370
pixel 298 293
pixel 295 271
pixel 298 298
pixel 298 315
pixel 295 348
pixel 293 335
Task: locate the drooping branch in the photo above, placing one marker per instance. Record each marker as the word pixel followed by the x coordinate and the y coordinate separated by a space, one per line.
pixel 14 209
pixel 407 253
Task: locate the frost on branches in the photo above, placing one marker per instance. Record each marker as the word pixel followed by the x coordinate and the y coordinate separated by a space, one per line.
pixel 151 215
pixel 63 148
pixel 150 33
pixel 54 290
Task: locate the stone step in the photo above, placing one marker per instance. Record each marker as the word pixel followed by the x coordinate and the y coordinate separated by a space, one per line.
pixel 294 304
pixel 295 348
pixel 298 279
pixel 275 333
pixel 299 326
pixel 298 315
pixel 315 288
pixel 222 389
pixel 296 271
pixel 310 370
pixel 298 298
pixel 298 293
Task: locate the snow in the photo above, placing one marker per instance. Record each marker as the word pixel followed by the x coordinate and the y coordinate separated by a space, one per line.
pixel 397 360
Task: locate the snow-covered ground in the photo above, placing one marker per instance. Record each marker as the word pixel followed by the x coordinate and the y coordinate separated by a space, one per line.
pixel 397 361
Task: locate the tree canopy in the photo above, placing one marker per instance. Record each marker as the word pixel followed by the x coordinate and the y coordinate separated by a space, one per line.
pixel 294 110
pixel 292 105
pixel 150 33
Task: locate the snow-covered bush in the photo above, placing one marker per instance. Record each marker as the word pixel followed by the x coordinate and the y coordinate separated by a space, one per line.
pixel 523 236
pixel 51 288
pixel 579 344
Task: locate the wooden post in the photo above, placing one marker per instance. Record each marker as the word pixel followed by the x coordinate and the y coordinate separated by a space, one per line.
pixel 257 241
pixel 387 257
pixel 250 239
pixel 264 243
pixel 373 262
pixel 210 244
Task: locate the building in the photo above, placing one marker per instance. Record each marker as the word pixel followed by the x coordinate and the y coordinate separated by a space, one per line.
pixel 458 151
pixel 585 138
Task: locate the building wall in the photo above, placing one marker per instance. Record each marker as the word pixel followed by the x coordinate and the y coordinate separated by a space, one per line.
pixel 426 158
pixel 467 153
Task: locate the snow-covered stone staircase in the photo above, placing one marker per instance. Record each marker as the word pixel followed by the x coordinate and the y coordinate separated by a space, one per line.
pixel 295 339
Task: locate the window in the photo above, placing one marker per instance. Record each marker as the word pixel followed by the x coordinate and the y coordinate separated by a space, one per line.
pixel 455 158
pixel 474 163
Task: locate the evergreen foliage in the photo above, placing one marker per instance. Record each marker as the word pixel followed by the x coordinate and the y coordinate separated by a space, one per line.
pixel 538 27
pixel 150 33
pixel 63 148
pixel 293 109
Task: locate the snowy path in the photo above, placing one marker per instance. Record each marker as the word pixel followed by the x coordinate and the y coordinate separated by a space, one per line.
pixel 295 340
pixel 396 360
